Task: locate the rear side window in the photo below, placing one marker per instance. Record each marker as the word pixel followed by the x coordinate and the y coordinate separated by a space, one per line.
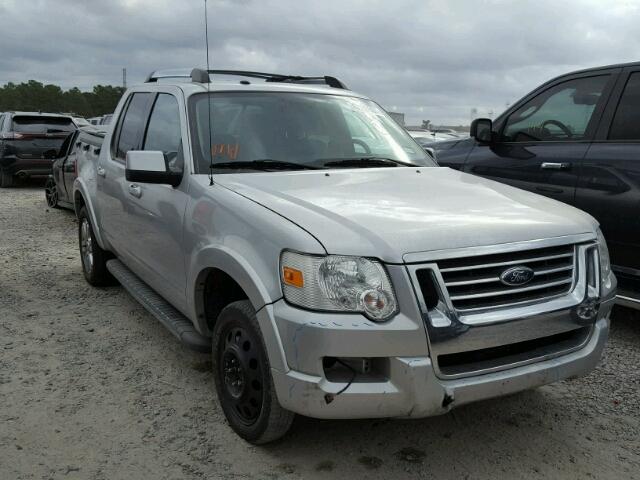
pixel 39 124
pixel 132 124
pixel 163 132
pixel 626 122
pixel 561 113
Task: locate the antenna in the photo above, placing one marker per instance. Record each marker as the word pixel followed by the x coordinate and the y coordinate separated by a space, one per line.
pixel 206 41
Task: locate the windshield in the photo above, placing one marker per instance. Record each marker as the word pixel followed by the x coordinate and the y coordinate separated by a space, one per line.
pixel 297 128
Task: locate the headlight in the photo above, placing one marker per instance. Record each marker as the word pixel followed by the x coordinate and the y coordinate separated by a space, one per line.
pixel 338 283
pixel 605 262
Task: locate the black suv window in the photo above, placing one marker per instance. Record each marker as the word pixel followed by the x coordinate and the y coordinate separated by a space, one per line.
pixel 560 113
pixel 163 131
pixel 626 123
pixel 132 124
pixel 40 124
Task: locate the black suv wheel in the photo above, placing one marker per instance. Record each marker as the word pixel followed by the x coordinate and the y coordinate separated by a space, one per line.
pixel 6 180
pixel 243 377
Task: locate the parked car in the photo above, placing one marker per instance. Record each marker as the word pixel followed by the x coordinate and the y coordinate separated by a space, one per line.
pixel 81 122
pixel 576 139
pixel 427 146
pixel 333 275
pixel 85 142
pixel 29 142
pixel 428 137
pixel 94 120
pixel 449 131
pixel 106 119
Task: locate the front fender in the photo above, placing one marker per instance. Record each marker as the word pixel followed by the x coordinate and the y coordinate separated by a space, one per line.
pixel 237 267
pixel 234 265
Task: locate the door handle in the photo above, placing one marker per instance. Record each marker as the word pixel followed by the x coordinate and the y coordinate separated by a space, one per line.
pixel 101 171
pixel 555 165
pixel 135 190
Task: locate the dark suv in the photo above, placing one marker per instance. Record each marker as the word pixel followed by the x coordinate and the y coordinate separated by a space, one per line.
pixel 29 142
pixel 576 139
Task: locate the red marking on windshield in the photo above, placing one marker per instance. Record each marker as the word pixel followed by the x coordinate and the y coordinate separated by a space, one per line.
pixel 226 150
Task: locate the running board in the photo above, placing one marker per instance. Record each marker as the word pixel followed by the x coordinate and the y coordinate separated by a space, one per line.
pixel 629 302
pixel 176 322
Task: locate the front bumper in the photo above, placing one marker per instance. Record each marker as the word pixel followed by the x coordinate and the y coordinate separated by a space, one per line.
pixel 413 389
pixel 413 385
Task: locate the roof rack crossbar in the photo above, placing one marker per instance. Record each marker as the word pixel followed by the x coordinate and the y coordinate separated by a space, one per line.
pixel 202 76
pixel 199 75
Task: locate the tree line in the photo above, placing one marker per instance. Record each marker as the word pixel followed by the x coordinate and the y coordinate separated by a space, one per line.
pixel 34 96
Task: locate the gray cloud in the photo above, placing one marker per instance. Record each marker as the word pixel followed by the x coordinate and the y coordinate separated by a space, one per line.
pixel 430 59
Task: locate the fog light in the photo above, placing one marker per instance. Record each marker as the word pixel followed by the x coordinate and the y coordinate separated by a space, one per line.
pixel 587 310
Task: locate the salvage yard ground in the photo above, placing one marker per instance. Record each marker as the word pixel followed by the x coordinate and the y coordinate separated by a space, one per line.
pixel 93 387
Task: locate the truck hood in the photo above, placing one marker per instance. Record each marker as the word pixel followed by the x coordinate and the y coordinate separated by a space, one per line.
pixel 389 212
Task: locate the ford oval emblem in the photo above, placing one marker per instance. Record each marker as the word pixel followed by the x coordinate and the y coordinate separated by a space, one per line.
pixel 516 276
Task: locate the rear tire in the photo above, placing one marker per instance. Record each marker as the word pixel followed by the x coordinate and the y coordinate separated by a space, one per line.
pixel 6 180
pixel 51 193
pixel 243 377
pixel 93 257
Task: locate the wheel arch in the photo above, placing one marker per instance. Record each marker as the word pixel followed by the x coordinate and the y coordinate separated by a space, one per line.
pixel 219 264
pixel 223 262
pixel 81 199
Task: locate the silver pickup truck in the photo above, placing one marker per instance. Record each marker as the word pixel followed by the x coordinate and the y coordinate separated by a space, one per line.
pixel 292 228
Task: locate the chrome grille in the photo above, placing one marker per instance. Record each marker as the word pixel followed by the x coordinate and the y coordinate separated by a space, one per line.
pixel 473 283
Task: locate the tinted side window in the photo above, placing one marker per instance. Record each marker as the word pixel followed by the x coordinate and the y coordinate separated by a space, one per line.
pixel 626 123
pixel 163 132
pixel 132 124
pixel 561 113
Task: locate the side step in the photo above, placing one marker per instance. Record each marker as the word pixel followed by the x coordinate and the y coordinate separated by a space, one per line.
pixel 176 322
pixel 628 301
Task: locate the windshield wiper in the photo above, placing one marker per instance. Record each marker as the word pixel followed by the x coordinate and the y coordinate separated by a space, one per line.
pixel 263 164
pixel 364 162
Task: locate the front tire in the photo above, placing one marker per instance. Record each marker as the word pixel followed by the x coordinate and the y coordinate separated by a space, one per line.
pixel 243 377
pixel 6 180
pixel 93 257
pixel 51 193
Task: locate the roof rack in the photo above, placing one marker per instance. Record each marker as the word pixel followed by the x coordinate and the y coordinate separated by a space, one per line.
pixel 198 75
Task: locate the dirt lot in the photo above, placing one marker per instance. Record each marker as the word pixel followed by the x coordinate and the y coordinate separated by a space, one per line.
pixel 92 387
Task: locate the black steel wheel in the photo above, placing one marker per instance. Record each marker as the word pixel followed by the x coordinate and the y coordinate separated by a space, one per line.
pixel 242 374
pixel 243 377
pixel 51 193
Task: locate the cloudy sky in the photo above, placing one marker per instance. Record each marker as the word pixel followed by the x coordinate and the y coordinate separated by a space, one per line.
pixel 430 59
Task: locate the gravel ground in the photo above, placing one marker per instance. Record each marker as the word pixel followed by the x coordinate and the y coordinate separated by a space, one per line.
pixel 92 387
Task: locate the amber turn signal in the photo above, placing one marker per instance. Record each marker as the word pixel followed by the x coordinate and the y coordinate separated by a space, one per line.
pixel 292 277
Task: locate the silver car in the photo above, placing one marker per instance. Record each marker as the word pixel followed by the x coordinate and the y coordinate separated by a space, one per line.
pixel 292 228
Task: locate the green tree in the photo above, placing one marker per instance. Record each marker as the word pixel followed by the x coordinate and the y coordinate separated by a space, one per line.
pixel 35 96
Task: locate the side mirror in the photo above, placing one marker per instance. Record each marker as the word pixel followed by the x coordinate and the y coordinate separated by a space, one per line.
pixel 481 129
pixel 148 166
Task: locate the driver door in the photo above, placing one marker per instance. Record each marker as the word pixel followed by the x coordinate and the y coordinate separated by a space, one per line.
pixel 543 139
pixel 155 212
